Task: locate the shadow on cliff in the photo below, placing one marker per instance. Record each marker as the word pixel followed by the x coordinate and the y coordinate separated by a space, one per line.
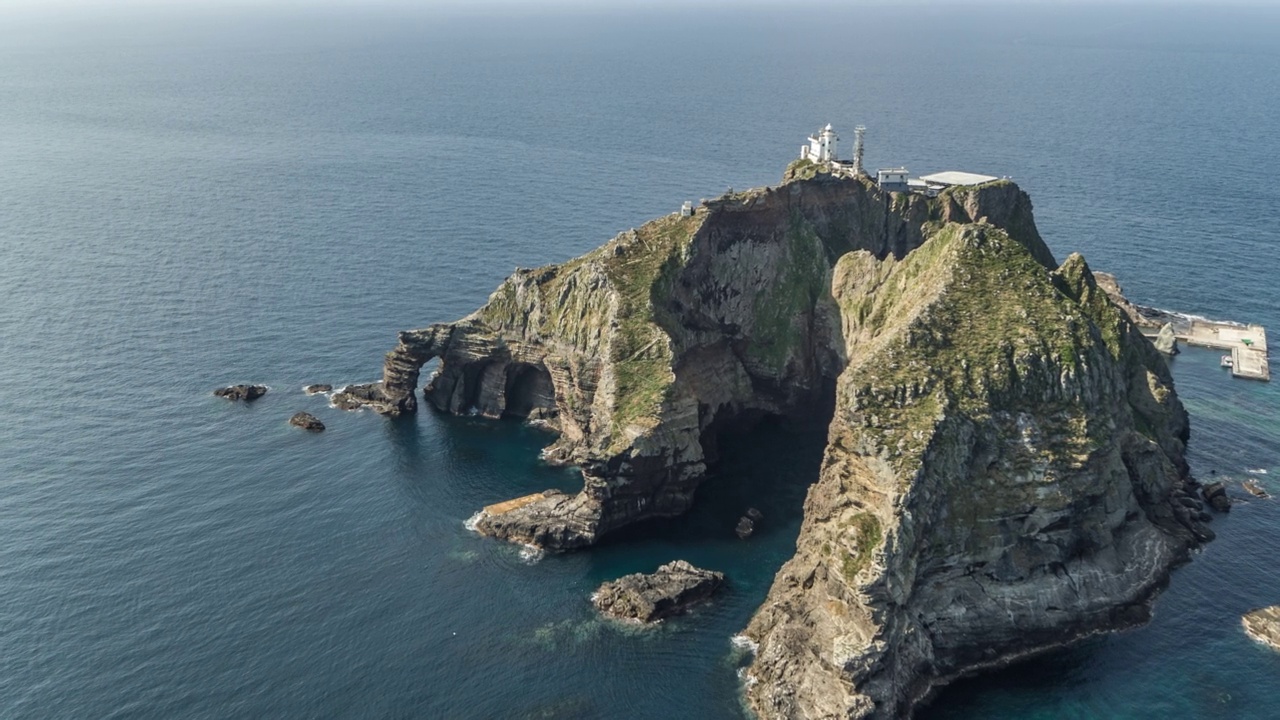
pixel 765 463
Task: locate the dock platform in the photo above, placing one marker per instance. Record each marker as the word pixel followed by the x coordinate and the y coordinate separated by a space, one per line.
pixel 1247 343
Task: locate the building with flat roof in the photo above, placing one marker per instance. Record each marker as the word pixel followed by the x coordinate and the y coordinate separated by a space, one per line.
pixel 950 178
pixel 893 179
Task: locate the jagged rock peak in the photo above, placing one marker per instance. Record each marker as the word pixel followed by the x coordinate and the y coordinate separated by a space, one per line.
pixel 1005 469
pixel 1005 473
pixel 640 352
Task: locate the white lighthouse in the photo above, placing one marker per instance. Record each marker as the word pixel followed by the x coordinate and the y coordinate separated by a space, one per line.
pixel 821 147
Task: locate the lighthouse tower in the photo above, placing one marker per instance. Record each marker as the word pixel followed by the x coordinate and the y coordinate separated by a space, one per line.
pixel 821 147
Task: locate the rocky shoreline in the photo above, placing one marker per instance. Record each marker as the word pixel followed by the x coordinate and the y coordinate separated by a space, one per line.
pixel 1006 463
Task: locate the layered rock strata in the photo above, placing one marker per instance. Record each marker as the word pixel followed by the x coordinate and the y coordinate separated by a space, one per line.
pixel 1005 469
pixel 670 590
pixel 639 353
pixel 1005 473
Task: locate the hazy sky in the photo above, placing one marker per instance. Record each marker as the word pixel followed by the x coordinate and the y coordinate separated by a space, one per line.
pixel 44 5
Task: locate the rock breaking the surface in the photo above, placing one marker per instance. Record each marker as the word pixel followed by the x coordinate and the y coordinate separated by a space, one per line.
pixel 241 392
pixel 1263 625
pixel 649 598
pixel 306 421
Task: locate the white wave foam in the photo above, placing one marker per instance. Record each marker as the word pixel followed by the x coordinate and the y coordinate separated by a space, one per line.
pixel 472 522
pixel 746 678
pixel 531 553
pixel 1257 471
pixel 1201 318
pixel 742 642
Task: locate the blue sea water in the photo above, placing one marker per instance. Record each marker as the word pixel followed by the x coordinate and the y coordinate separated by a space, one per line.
pixel 190 198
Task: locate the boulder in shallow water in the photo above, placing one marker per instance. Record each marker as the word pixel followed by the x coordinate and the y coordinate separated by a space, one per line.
pixel 1263 625
pixel 241 392
pixel 745 527
pixel 648 598
pixel 316 389
pixel 306 421
pixel 1215 494
pixel 1165 341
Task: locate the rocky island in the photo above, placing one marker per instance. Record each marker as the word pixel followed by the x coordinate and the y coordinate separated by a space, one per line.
pixel 1005 466
pixel 648 598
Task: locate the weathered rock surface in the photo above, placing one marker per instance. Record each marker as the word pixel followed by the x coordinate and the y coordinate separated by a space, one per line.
pixel 1004 474
pixel 1254 488
pixel 640 352
pixel 1005 469
pixel 317 389
pixel 1215 493
pixel 306 421
pixel 1263 625
pixel 648 598
pixel 241 392
pixel 1166 342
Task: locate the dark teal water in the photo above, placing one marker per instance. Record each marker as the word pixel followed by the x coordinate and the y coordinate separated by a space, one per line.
pixel 191 198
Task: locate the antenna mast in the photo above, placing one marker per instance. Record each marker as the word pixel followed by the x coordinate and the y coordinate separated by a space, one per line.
pixel 858 132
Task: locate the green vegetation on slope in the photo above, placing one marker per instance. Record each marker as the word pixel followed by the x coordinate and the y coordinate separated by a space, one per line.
pixel 780 308
pixel 958 322
pixel 641 354
pixel 866 535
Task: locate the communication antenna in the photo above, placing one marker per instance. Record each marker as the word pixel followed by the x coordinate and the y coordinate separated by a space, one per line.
pixel 858 132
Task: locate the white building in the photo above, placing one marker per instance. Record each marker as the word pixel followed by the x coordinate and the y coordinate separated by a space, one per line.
pixel 952 178
pixel 893 179
pixel 821 147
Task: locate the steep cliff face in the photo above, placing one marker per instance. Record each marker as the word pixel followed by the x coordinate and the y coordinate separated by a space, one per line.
pixel 1005 469
pixel 638 352
pixel 1004 473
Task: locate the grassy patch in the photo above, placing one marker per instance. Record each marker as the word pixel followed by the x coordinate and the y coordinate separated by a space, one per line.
pixel 866 535
pixel 642 267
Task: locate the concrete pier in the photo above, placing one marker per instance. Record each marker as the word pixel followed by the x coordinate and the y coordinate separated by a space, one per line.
pixel 1247 343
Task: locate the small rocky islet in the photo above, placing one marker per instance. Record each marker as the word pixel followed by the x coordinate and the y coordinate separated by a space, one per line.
pixel 306 421
pixel 671 590
pixel 1006 463
pixel 246 393
pixel 1263 625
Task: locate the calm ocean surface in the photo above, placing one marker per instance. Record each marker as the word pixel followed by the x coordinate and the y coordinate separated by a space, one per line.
pixel 190 199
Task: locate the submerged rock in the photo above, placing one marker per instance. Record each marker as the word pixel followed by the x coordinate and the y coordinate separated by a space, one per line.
pixel 1263 625
pixel 746 526
pixel 648 598
pixel 1255 489
pixel 241 392
pixel 306 421
pixel 316 389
